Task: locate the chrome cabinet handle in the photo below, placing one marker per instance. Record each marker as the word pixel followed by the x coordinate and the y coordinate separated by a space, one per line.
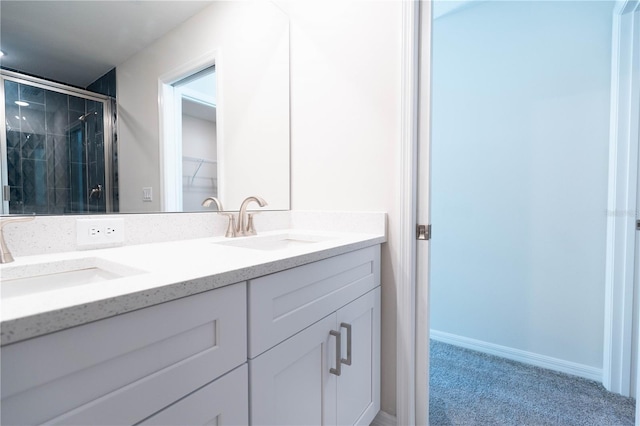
pixel 348 327
pixel 338 370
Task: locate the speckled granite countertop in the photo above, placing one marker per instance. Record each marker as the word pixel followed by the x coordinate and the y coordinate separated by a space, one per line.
pixel 168 271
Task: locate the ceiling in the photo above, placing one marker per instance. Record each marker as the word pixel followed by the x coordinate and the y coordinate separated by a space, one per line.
pixel 76 42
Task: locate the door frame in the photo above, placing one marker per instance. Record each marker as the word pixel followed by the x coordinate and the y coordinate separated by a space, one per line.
pixel 170 125
pixel 409 411
pixel 636 302
pixel 412 299
pixel 621 204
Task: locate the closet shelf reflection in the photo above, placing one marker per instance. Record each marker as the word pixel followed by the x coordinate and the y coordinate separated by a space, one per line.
pixel 197 164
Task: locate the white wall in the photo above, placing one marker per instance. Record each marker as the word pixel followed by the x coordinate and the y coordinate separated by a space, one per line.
pixel 345 127
pixel 198 137
pixel 345 109
pixel 198 141
pixel 251 44
pixel 520 137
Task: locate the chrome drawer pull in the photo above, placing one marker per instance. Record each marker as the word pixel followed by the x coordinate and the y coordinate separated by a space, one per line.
pixel 338 370
pixel 348 327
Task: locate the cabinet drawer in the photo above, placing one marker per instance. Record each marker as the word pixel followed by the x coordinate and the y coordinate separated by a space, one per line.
pixel 122 369
pixel 284 303
pixel 223 402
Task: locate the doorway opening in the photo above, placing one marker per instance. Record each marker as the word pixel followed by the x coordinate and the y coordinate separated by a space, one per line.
pixel 190 136
pixel 520 133
pixel 197 94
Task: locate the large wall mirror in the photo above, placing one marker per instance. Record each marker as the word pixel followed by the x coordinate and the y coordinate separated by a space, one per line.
pixel 143 106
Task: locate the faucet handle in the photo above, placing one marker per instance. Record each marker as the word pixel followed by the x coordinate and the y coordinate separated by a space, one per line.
pixel 250 229
pixel 231 227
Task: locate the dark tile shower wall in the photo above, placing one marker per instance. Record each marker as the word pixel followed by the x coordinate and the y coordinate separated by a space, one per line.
pixel 53 157
pixel 105 84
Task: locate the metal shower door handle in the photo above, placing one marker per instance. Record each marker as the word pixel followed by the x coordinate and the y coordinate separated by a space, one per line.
pixel 95 192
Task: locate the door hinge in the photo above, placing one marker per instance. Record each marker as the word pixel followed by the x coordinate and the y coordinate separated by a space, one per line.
pixel 423 232
pixel 638 225
pixel 6 193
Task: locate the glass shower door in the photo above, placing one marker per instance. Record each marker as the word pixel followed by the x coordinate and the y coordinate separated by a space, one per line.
pixel 86 161
pixel 55 151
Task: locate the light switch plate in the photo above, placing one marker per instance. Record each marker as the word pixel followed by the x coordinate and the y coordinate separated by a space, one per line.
pixel 147 194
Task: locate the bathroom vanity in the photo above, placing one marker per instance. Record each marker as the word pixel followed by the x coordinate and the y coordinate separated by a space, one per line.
pixel 276 329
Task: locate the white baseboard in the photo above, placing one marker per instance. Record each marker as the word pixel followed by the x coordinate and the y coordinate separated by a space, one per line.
pixel 384 419
pixel 525 357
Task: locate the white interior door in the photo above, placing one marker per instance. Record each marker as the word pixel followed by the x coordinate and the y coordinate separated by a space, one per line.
pixel 423 218
pixel 636 344
pixel 620 358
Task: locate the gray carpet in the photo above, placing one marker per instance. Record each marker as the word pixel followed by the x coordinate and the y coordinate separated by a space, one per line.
pixel 471 388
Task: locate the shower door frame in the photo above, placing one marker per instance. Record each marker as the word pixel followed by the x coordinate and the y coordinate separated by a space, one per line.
pixel 108 131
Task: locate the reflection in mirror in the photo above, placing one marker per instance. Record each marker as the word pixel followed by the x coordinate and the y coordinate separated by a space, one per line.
pixel 229 147
pixel 56 140
pixel 197 139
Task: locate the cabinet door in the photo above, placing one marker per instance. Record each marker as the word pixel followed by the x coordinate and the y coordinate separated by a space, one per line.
pixel 358 388
pixel 122 369
pixel 221 403
pixel 291 383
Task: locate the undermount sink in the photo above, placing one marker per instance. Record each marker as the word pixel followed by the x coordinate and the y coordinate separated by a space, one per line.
pixel 21 280
pixel 275 242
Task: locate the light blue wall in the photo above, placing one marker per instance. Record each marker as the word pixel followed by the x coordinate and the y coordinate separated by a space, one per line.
pixel 520 137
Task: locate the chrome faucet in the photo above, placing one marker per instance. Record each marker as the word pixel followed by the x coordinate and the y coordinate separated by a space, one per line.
pixel 244 225
pixel 245 220
pixel 5 254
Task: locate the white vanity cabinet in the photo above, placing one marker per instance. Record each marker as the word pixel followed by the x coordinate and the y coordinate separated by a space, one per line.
pixel 297 347
pixel 223 402
pixel 314 342
pixel 124 369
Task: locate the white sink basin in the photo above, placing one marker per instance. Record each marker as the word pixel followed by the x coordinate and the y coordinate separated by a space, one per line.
pixel 22 280
pixel 275 242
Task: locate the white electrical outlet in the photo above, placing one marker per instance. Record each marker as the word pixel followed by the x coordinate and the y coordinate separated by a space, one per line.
pixel 99 232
